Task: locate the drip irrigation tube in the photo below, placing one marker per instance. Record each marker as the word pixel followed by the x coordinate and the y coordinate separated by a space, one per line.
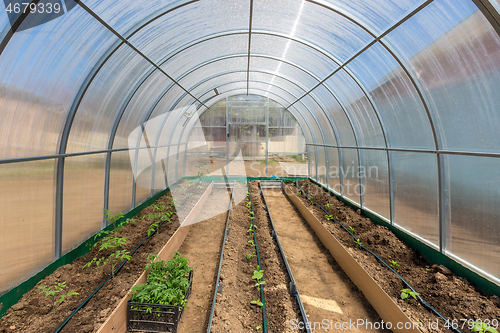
pixel 264 315
pixel 383 262
pixel 114 273
pixel 293 285
pixel 226 233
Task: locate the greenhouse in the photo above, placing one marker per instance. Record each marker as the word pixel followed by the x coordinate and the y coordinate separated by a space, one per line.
pixel 266 165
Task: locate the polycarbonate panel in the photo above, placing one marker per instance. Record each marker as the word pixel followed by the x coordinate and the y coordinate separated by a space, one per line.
pixel 26 220
pixel 286 140
pixel 375 173
pixel 279 117
pixel 311 122
pixel 215 115
pixel 251 133
pixel 231 86
pixel 415 189
pixel 120 182
pixel 360 110
pixel 181 163
pixel 247 109
pixel 322 120
pixel 83 201
pixel 378 16
pixel 172 164
pixel 337 114
pixel 475 206
pixel 284 83
pixel 127 14
pixel 456 53
pixel 199 19
pixel 273 89
pixel 293 51
pixel 198 74
pixel 217 81
pixel 197 54
pixel 350 171
pixel 322 166
pixel 304 20
pixel 140 106
pixel 311 155
pixel 396 98
pixel 41 70
pixel 274 66
pixel 144 178
pixel 334 171
pixel 99 108
pixel 168 102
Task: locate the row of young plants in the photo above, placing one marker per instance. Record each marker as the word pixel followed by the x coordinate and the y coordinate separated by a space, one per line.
pixel 407 294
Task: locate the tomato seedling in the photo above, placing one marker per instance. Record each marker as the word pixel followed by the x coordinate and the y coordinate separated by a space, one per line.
pixel 406 293
pixel 56 291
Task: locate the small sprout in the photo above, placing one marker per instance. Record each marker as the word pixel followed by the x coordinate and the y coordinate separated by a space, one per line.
pixel 358 243
pixel 311 203
pixel 483 328
pixel 258 327
pixel 54 291
pixel 258 303
pixel 250 256
pixel 299 193
pixel 394 264
pixel 252 242
pixel 328 217
pixel 351 229
pixel 406 293
pixel 328 206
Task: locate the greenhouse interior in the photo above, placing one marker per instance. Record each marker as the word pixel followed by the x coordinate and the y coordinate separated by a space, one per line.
pixel 250 165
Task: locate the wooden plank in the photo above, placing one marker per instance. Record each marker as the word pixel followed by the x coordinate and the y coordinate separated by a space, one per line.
pixel 117 321
pixel 387 309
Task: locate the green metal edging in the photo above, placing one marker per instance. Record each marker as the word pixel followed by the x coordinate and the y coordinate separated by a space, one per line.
pixel 430 254
pixel 13 296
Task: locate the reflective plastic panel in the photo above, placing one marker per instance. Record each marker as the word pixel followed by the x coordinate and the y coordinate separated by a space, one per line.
pixel 41 70
pixel 334 171
pixel 104 98
pixel 475 206
pixel 214 82
pixel 322 166
pixel 350 171
pixel 416 194
pixel 375 181
pixel 360 110
pixel 196 20
pixel 321 118
pixel 120 182
pixel 293 51
pixel 396 98
pixel 302 19
pixel 311 156
pixel 378 16
pixel 456 54
pixel 26 220
pixel 285 83
pixel 141 104
pixel 83 202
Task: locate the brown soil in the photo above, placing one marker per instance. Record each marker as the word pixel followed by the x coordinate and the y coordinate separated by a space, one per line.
pixel 281 308
pixel 202 247
pixel 453 296
pixel 233 311
pixel 325 290
pixel 33 312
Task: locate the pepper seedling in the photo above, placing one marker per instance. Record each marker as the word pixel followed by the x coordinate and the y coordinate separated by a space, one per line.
pixel 351 229
pixel 406 293
pixel 483 328
pixel 394 264
pixel 250 256
pixel 358 243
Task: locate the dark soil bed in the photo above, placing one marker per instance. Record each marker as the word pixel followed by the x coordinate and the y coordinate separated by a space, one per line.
pixel 33 314
pixel 453 296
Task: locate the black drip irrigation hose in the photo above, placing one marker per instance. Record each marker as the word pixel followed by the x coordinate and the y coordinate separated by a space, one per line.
pixel 264 315
pixel 226 233
pixel 382 261
pixel 111 276
pixel 293 285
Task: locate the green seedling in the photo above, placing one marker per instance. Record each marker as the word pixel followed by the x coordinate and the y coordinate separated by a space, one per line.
pixel 252 243
pixel 299 193
pixel 55 293
pixel 328 206
pixel 358 243
pixel 250 256
pixel 258 303
pixel 328 217
pixel 406 293
pixel 351 229
pixel 483 328
pixel 258 327
pixel 311 203
pixel 258 274
pixel 394 264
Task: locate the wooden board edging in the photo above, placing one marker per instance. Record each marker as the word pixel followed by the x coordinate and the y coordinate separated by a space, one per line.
pixel 117 321
pixel 387 309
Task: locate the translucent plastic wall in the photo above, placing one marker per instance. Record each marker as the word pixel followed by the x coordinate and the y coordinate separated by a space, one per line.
pixel 391 104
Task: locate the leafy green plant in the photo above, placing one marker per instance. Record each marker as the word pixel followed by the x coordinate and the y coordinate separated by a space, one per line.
pixel 311 203
pixel 258 327
pixel 55 293
pixel 328 206
pixel 406 293
pixel 394 264
pixel 252 242
pixel 250 256
pixel 258 274
pixel 351 229
pixel 167 282
pixel 358 243
pixel 299 193
pixel 482 328
pixel 328 217
pixel 258 303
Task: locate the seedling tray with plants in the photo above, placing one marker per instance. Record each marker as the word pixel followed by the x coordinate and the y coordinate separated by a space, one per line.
pixel 452 296
pixel 158 305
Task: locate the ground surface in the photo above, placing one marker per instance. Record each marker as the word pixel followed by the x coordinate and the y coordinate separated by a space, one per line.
pixel 453 296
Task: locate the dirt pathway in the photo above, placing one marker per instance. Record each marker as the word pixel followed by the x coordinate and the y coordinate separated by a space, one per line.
pixel 329 297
